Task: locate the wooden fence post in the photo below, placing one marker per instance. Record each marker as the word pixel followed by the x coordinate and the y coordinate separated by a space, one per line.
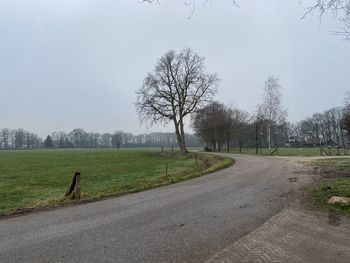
pixel 166 167
pixel 74 189
pixel 77 188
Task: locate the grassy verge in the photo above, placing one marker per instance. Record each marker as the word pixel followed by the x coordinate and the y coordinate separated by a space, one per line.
pixel 286 151
pixel 35 179
pixel 335 181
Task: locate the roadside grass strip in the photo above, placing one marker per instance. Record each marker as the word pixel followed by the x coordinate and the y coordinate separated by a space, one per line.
pixel 335 174
pixel 35 179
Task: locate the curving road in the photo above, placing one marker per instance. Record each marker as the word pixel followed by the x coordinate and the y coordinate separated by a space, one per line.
pixel 184 222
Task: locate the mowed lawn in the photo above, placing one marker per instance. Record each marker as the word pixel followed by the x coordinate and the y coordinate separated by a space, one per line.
pixel 31 179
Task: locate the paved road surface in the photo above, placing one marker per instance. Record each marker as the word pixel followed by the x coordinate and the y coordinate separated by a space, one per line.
pixel 185 222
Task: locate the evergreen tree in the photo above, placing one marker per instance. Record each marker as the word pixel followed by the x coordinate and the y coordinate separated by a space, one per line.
pixel 48 142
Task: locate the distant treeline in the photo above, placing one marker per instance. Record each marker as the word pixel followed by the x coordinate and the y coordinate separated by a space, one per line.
pixel 323 128
pixel 78 138
pixel 222 128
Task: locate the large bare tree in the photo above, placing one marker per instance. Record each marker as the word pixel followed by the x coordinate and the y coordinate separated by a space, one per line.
pixel 175 89
pixel 272 105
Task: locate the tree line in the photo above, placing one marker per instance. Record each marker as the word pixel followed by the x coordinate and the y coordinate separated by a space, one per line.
pixel 322 128
pixel 179 87
pixel 13 139
pixel 222 127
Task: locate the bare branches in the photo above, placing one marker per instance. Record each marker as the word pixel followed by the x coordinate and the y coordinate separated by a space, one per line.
pixel 176 88
pixel 150 1
pixel 339 9
pixel 189 3
pixel 272 104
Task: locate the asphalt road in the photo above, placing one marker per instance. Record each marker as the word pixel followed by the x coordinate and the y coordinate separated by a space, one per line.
pixel 185 222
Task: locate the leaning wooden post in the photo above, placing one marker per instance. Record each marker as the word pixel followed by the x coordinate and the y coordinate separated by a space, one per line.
pixel 77 187
pixel 74 189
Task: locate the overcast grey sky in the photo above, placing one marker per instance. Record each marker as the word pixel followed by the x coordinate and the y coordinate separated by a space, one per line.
pixel 67 64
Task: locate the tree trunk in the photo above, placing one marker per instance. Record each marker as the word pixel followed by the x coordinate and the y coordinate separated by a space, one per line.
pixel 228 141
pixel 213 143
pixel 178 136
pixel 269 136
pixel 256 138
pixel 182 134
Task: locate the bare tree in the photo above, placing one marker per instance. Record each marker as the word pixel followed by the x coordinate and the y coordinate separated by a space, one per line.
pixel 106 140
pixel 79 138
pixel 175 89
pixel 213 124
pixel 272 105
pixel 345 122
pixel 257 120
pixel 117 139
pixel 5 136
pixel 323 127
pixel 340 9
pixel 237 133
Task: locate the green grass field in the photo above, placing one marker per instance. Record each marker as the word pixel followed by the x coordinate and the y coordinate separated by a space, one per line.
pixel 286 151
pixel 336 182
pixel 32 179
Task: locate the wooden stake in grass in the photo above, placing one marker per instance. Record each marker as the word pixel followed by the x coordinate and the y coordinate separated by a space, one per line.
pixel 74 188
pixel 166 167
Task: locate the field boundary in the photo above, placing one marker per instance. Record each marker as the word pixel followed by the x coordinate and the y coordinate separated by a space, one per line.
pixel 225 162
